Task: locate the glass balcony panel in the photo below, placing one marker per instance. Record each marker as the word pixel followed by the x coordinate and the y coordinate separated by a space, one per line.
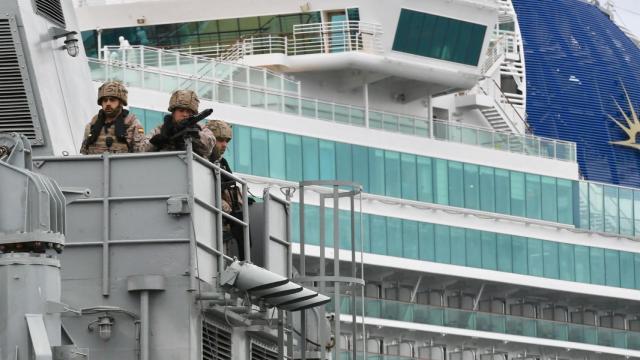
pixel 429 315
pixel 309 108
pixel 151 58
pixel 168 83
pixel 240 96
pixel 257 99
pixel 373 308
pixel 341 114
pixel 454 133
pixel 224 93
pixel 325 111
pixel 532 146
pixel 375 120
pixel 633 340
pixel 485 138
pixel 223 71
pixel 291 105
pixel 187 65
pixel 459 319
pixel 152 81
pixel 422 127
pixel 274 102
pixel 205 90
pixel 440 131
pixel 516 144
pixel 490 322
pixel 169 61
pixel 274 82
pixel 239 75
pixel 501 141
pixel 357 117
pixel 547 148
pixel 390 122
pixel 257 77
pixel 291 86
pixel 563 151
pixel 98 71
pixel 406 125
pixel 469 136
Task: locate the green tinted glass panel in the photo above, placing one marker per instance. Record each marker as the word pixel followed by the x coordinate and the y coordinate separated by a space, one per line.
pixel 426 241
pixel 471 187
pixel 474 248
pixel 489 251
pixel 425 179
pixel 581 261
pixel 534 257
pixel 517 194
pixel 327 160
pixel 487 189
pixel 612 267
pixel 439 37
pixel 361 166
pixel 519 247
pixel 392 174
pixel 566 263
pixel 548 192
pixel 458 246
pixel 277 155
pixel 408 176
pixel 627 277
pixel 242 138
pixel 456 187
pixel 293 160
pixel 597 266
pixel 504 252
pixel 394 237
pixel 533 196
pixel 310 158
pixel 550 259
pixel 259 152
pixel 378 226
pixel 344 165
pixel 502 191
pixel 442 244
pixel 410 248
pixel 376 171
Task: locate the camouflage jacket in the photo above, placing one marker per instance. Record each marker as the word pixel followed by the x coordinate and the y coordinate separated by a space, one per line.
pixel 202 145
pixel 132 137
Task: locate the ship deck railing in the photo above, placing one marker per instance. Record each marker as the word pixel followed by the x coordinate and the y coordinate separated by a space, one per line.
pixel 493 322
pixel 248 87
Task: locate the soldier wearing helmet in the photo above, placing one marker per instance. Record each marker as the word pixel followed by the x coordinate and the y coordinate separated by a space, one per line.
pixel 231 196
pixel 114 129
pixel 182 105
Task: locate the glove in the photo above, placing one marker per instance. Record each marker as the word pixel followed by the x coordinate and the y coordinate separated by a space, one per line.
pixel 159 140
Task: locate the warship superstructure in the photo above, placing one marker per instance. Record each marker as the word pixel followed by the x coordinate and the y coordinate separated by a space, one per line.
pixel 443 179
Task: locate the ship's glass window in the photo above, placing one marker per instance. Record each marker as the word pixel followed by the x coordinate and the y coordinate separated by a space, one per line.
pixel 471 187
pixel 376 171
pixel 583 268
pixel 408 176
pixel 502 191
pixel 344 165
pixel 378 233
pixel 548 193
pixel 534 257
pixel 293 147
pixel 565 201
pixel 392 174
pixel 441 179
pixel 626 211
pixel 550 259
pixel 312 225
pixel 517 194
pixel 636 259
pixel 627 276
pixel 596 204
pixel 427 241
pixel 611 224
pixel 474 248
pixel 361 166
pixel 487 189
pixel 458 246
pixel 345 230
pixel 229 154
pixel 277 155
pixel 489 251
pixel 519 247
pixel 410 238
pixel 612 267
pixel 505 262
pixel 259 152
pixel 425 179
pixel 394 237
pixel 533 196
pixel 567 265
pixel 439 37
pixel 583 205
pixel 456 184
pixel 328 226
pixel 596 259
pixel 310 158
pixel 442 244
pixel 327 160
pixel 243 155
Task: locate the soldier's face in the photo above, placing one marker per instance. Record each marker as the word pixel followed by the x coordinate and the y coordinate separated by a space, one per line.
pixel 110 105
pixel 179 114
pixel 221 145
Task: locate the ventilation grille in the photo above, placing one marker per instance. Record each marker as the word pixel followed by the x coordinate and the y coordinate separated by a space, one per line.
pixel 216 342
pixel 17 113
pixel 260 351
pixel 51 10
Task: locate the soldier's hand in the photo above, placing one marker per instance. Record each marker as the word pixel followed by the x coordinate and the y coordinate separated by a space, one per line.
pixel 159 140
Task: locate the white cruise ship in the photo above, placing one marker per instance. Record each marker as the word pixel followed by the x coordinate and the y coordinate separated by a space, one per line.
pixel 498 216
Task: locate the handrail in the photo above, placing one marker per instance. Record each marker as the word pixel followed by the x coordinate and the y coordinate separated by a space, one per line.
pixel 524 121
pixel 247 94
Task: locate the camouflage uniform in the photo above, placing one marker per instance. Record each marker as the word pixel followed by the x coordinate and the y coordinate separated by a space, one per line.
pixel 123 134
pixel 232 200
pixel 160 138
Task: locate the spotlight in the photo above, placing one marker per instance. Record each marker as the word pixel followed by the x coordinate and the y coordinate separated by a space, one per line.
pixel 70 41
pixel 104 324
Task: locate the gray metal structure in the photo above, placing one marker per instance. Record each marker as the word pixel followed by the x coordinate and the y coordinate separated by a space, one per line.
pixel 330 279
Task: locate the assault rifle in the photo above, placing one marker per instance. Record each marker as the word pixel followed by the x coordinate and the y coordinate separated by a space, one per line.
pixel 181 129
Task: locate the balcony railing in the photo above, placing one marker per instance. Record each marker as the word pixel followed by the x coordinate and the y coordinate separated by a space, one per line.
pixel 496 323
pixel 255 88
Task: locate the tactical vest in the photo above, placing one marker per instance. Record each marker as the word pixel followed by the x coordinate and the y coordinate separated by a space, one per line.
pixel 111 137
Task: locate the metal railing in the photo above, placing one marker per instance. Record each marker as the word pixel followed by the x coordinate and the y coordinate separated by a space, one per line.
pixel 496 323
pixel 204 68
pixel 272 97
pixel 316 38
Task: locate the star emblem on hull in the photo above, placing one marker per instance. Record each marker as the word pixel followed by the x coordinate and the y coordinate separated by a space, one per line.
pixel 632 127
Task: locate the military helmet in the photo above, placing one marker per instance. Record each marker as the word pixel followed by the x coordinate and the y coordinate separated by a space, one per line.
pixel 220 129
pixel 113 89
pixel 185 99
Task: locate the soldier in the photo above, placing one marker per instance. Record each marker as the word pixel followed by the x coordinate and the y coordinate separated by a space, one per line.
pixel 114 129
pixel 231 196
pixel 182 105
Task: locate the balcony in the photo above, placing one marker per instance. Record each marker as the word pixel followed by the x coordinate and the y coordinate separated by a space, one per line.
pixel 495 323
